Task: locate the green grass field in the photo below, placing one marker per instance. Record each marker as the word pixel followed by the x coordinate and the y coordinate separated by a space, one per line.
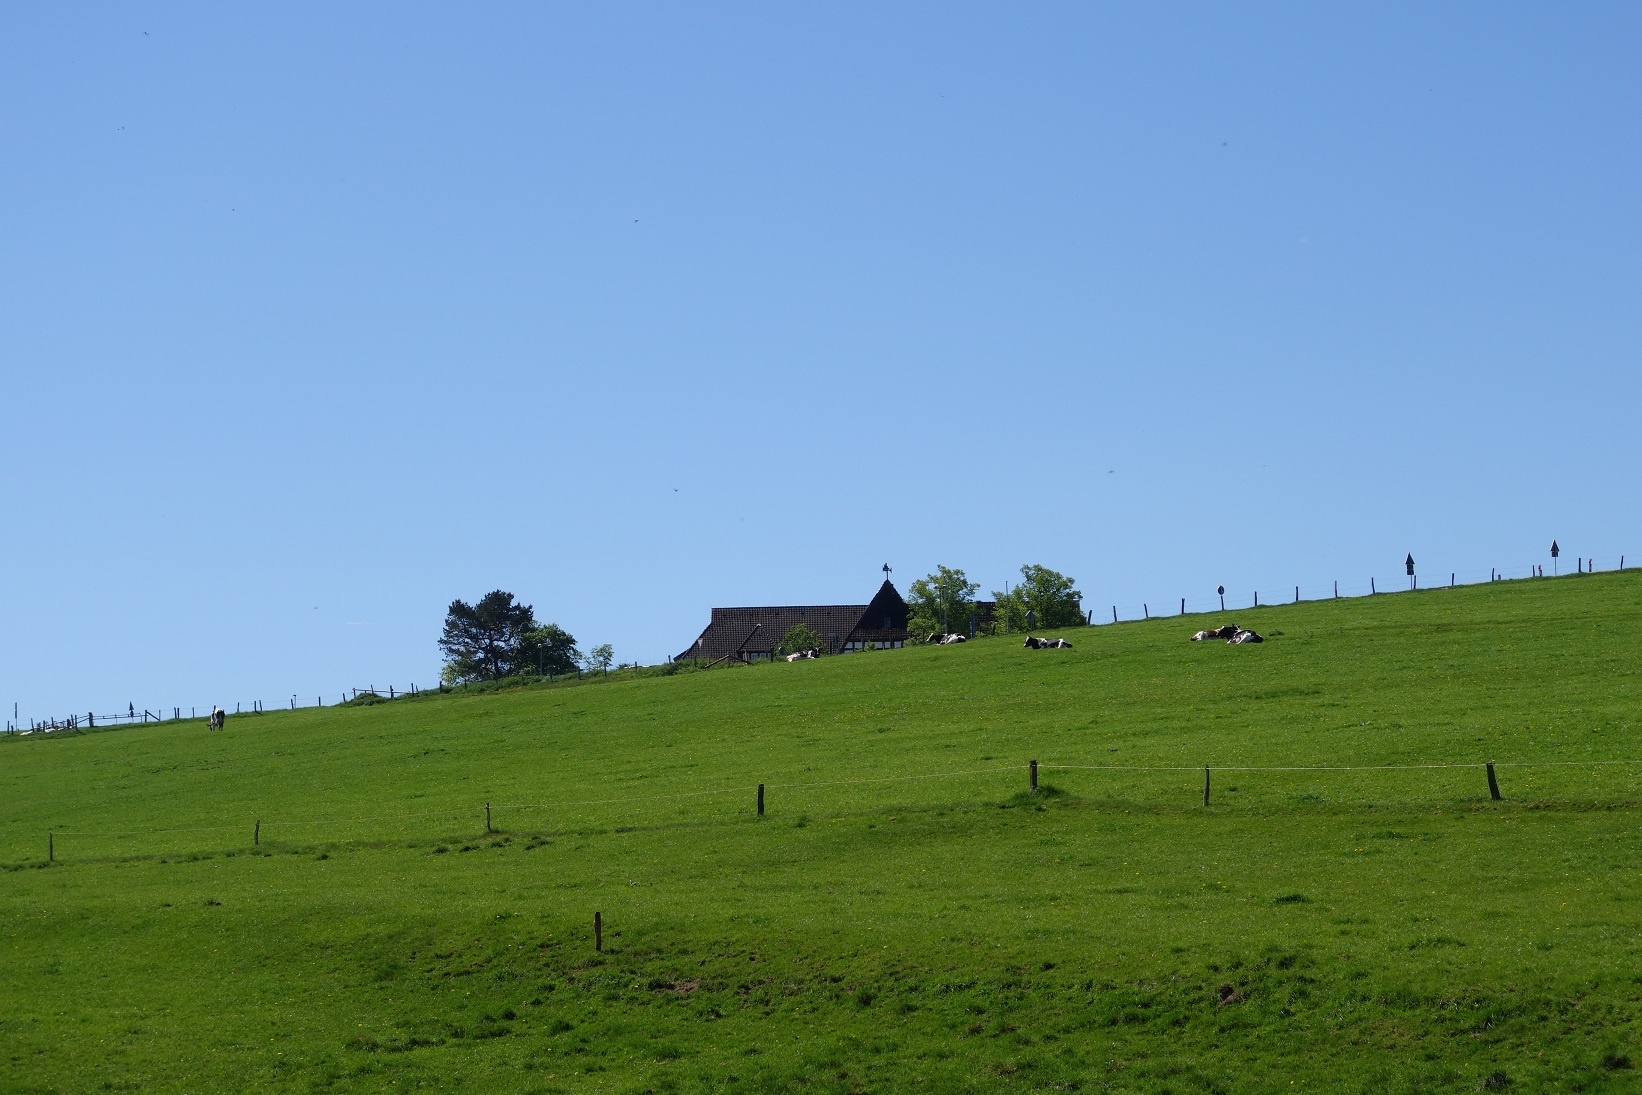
pixel 906 916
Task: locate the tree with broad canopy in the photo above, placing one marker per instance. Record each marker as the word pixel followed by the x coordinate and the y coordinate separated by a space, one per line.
pixel 499 637
pixel 942 602
pixel 1051 597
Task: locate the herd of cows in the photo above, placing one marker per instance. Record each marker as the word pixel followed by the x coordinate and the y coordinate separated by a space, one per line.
pixel 1234 635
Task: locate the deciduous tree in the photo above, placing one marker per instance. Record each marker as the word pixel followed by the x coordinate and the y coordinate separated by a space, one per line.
pixel 1051 597
pixel 941 601
pixel 800 637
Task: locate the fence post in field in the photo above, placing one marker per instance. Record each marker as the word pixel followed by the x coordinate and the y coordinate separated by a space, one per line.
pixel 1493 784
pixel 91 720
pixel 487 817
pixel 598 931
pixel 1257 598
pixel 1451 579
pixel 1114 614
pixel 1371 588
pixel 760 800
pixel 1336 589
pixel 1205 785
pixel 1032 775
pixel 51 849
pixel 1145 610
pixel 1296 594
pixel 256 833
pixel 1182 606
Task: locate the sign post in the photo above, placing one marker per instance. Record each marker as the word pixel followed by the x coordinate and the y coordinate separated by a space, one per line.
pixel 1222 591
pixel 1555 551
pixel 1409 563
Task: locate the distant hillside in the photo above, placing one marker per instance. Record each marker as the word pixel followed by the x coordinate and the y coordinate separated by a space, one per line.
pixel 310 899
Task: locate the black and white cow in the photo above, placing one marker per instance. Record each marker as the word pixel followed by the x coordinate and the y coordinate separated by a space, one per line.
pixel 804 655
pixel 1046 644
pixel 1244 637
pixel 1218 633
pixel 217 719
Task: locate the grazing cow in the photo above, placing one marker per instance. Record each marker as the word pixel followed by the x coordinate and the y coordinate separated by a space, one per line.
pixel 217 719
pixel 1046 644
pixel 1225 632
pixel 938 638
pixel 803 655
pixel 1244 637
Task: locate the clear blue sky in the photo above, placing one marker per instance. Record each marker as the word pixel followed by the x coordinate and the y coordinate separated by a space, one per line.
pixel 314 317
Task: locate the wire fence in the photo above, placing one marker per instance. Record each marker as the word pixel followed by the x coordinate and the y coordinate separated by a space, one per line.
pixel 134 715
pixel 1236 599
pixel 1483 782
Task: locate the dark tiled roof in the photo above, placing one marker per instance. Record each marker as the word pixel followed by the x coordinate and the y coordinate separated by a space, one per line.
pixel 746 631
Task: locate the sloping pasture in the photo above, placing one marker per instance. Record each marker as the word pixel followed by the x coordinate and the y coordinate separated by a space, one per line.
pixel 1351 912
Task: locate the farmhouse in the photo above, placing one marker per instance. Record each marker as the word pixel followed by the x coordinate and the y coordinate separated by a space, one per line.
pixel 747 634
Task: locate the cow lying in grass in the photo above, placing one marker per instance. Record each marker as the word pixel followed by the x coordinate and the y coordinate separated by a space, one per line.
pixel 804 655
pixel 938 639
pixel 1218 633
pixel 1046 644
pixel 1244 637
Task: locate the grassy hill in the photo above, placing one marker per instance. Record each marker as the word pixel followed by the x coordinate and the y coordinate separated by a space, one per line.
pixel 906 915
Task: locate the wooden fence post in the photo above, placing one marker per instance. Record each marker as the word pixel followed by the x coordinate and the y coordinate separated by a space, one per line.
pixel 1493 784
pixel 51 849
pixel 1205 785
pixel 1182 606
pixel 1146 610
pixel 1114 614
pixel 1336 589
pixel 1296 594
pixel 1032 775
pixel 760 800
pixel 1371 588
pixel 1257 598
pixel 256 834
pixel 487 817
pixel 598 931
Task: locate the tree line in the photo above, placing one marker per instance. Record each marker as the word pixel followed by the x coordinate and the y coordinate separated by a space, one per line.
pixel 499 637
pixel 945 602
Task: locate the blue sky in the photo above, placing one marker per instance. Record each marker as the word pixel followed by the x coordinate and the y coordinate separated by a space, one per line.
pixel 314 317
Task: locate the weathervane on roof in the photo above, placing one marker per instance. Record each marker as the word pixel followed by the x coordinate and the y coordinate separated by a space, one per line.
pixel 887 569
